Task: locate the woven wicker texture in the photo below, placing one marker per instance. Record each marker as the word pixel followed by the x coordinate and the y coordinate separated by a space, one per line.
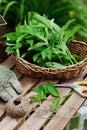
pixel 76 47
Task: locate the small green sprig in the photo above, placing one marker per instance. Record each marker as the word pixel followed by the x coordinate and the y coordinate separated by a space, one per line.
pixel 43 91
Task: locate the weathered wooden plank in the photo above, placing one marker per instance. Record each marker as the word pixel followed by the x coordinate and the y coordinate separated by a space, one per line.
pixel 7 123
pixel 9 62
pixel 18 74
pixel 41 115
pixel 31 108
pixel 28 82
pixel 65 113
pixel 2 108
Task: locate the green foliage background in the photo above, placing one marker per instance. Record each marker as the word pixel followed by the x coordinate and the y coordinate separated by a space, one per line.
pixel 15 11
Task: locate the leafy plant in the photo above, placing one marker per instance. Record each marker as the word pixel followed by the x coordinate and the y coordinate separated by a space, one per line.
pixel 44 40
pixel 43 91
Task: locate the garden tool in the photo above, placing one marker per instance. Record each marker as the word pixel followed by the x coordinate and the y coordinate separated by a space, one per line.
pixel 9 84
pixel 80 87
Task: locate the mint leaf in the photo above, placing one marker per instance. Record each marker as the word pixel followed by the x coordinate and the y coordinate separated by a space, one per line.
pixel 52 90
pixel 55 103
pixel 38 97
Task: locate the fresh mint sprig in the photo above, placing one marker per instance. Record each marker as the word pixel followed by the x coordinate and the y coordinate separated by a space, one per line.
pixel 43 91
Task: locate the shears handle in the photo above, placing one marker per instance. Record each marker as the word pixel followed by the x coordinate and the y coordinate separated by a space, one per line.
pixel 81 91
pixel 80 87
pixel 81 83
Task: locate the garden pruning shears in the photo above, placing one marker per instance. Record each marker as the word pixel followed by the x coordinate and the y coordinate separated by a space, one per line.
pixel 80 87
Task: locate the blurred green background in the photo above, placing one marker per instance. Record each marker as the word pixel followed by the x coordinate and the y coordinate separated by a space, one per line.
pixel 15 11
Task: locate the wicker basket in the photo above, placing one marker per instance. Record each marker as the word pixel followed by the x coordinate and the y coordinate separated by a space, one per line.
pixel 76 47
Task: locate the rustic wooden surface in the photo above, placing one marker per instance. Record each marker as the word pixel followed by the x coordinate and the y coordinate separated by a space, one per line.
pixel 40 118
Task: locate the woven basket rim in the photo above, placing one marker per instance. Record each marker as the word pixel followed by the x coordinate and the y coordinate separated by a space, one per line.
pixel 34 70
pixel 70 66
pixel 65 67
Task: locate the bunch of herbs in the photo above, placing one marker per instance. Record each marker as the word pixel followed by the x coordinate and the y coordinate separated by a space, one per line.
pixel 42 42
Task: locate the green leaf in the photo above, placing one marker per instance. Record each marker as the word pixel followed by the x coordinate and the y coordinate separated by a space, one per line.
pixel 43 20
pixel 56 27
pixel 24 54
pixel 11 36
pixel 20 29
pixel 71 33
pixel 10 43
pixel 34 98
pixel 10 49
pixel 37 45
pixel 18 45
pixel 8 7
pixel 17 29
pixel 54 65
pixel 52 90
pixel 38 97
pixel 55 103
pixel 44 53
pixel 36 56
pixel 20 38
pixel 65 27
pixel 47 88
pixel 40 88
pixel 78 58
pixel 47 53
pixel 30 42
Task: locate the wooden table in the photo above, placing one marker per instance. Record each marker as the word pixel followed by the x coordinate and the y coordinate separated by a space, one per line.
pixel 40 118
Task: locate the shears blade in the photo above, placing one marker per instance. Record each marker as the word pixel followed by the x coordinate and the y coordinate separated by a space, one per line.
pixel 80 87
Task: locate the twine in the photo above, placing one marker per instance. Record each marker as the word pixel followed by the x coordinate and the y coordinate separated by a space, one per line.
pixel 18 107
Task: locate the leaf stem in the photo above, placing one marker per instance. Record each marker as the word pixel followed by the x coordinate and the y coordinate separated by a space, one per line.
pixel 17 53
